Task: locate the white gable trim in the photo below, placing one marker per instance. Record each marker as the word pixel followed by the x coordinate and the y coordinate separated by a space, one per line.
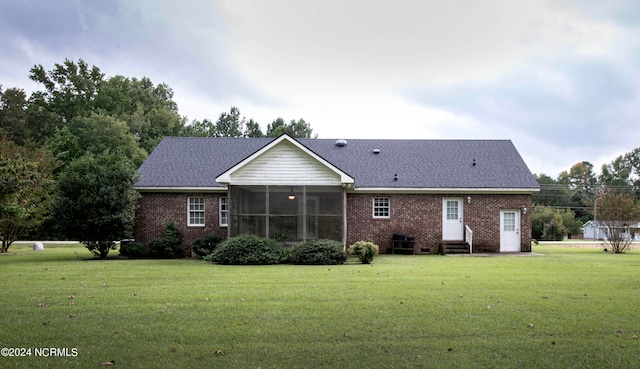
pixel 226 177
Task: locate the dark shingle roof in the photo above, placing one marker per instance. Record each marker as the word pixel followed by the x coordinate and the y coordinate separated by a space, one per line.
pixel 196 162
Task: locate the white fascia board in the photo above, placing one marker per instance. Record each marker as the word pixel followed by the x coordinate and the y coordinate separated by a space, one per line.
pixel 225 178
pixel 416 190
pixel 181 189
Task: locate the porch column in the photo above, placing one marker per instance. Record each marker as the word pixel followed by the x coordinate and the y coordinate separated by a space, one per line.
pixel 344 218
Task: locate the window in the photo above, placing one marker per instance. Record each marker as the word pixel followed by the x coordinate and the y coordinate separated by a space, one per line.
pixel 196 211
pixel 509 222
pixel 452 210
pixel 381 207
pixel 224 211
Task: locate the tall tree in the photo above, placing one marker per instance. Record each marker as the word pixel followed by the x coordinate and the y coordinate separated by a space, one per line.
pixel 98 132
pixel 70 88
pixel 230 124
pixel 581 182
pixel 26 184
pixel 252 129
pixel 298 129
pixel 64 145
pixel 277 127
pixel 148 109
pixel 617 173
pixel 73 90
pixel 579 176
pixel 41 122
pixel 623 173
pixel 206 128
pixel 96 201
pixel 13 114
pixel 551 192
pixel 197 128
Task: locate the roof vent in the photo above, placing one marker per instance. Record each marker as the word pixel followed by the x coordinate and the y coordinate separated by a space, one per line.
pixel 341 143
pixel 376 151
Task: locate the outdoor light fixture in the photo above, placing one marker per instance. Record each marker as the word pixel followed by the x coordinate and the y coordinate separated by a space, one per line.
pixel 468 199
pixel 524 211
pixel 291 195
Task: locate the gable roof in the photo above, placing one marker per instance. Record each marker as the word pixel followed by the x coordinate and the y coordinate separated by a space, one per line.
pixel 195 163
pixel 285 150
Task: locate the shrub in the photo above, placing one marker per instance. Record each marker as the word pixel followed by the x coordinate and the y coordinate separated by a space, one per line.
pixel 132 249
pixel 205 245
pixel 169 245
pixel 248 249
pixel 319 252
pixel 364 250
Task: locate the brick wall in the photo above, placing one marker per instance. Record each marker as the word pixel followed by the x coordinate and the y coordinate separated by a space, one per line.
pixel 155 210
pixel 420 215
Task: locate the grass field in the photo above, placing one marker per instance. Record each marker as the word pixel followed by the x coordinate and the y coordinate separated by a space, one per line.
pixel 399 312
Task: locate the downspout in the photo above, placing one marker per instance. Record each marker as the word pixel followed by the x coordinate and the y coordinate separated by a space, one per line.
pixel 344 217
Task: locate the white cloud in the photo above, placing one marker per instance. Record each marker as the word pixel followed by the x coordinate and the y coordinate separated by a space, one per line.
pixel 557 77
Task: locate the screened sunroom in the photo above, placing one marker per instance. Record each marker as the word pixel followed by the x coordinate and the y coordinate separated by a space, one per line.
pixel 289 214
pixel 288 193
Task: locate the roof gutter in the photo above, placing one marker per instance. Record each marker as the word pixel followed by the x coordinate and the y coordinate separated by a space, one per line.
pixel 180 189
pixel 419 190
pixel 409 190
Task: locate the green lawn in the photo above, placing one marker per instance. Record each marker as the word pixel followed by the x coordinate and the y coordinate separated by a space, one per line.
pixel 399 312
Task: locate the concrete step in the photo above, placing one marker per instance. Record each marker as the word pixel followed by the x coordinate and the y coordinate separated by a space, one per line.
pixel 454 247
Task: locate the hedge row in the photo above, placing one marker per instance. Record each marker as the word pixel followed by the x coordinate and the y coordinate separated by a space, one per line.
pixel 250 250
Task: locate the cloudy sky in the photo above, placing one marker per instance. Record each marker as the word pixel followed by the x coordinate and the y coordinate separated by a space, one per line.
pixel 560 78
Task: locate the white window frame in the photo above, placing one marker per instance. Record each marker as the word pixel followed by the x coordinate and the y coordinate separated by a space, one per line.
pixel 381 210
pixel 191 212
pixel 223 213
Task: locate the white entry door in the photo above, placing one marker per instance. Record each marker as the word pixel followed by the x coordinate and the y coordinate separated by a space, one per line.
pixel 452 226
pixel 509 230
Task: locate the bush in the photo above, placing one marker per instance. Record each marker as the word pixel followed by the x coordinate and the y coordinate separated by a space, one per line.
pixel 169 245
pixel 132 249
pixel 248 249
pixel 205 245
pixel 364 250
pixel 319 252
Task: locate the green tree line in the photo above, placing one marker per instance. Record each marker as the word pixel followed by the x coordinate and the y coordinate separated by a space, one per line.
pixel 80 122
pixel 578 195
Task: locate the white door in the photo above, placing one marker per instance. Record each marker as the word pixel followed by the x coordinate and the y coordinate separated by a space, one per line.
pixel 509 230
pixel 452 226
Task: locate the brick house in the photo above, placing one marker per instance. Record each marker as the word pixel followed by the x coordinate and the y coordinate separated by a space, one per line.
pixel 421 196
